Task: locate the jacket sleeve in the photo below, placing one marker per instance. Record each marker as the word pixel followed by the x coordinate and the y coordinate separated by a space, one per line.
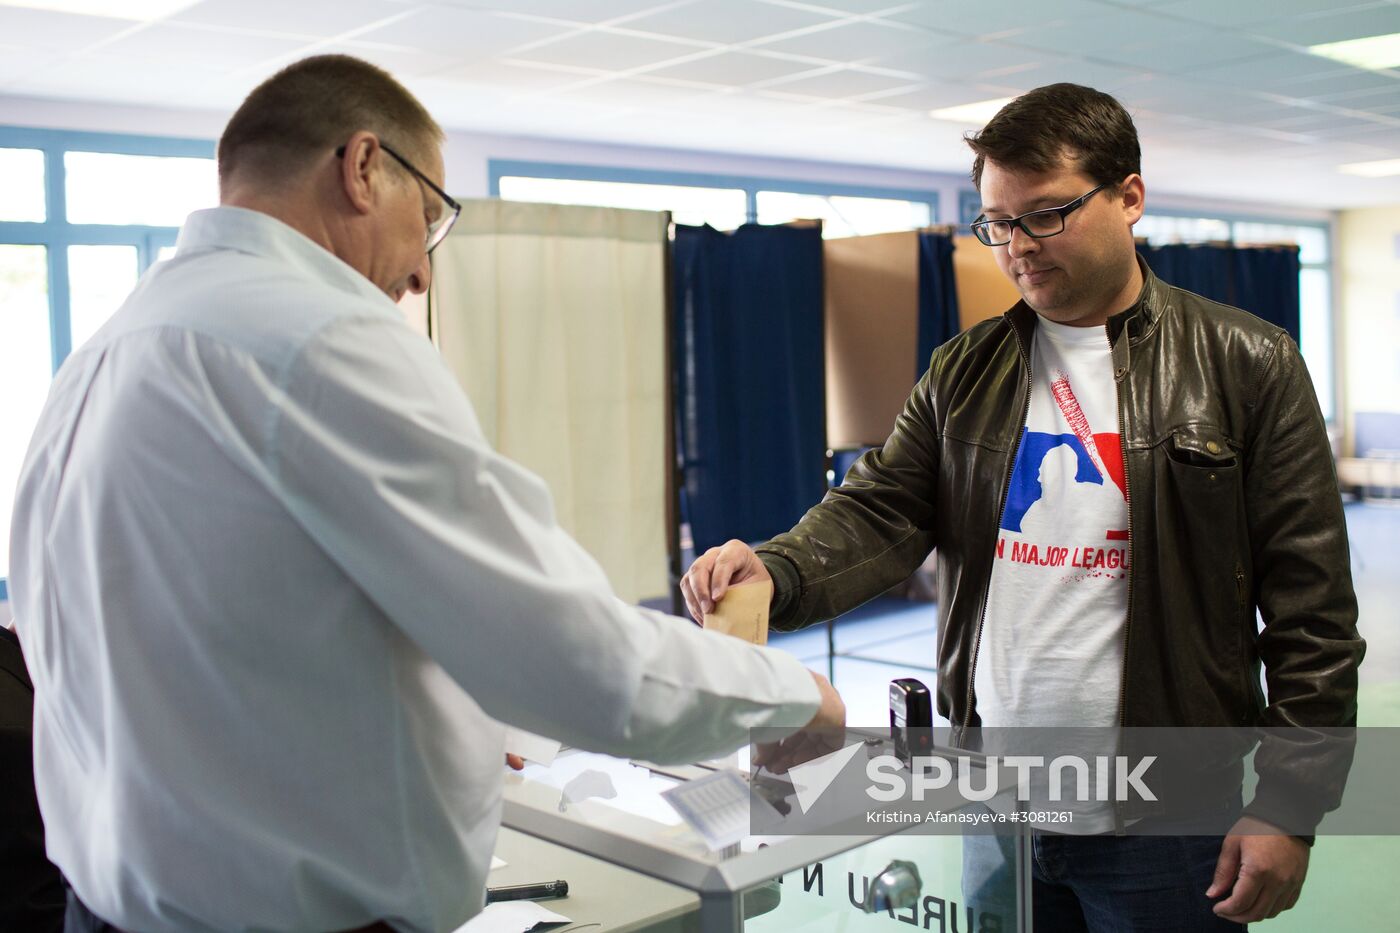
pixel 1309 644
pixel 867 534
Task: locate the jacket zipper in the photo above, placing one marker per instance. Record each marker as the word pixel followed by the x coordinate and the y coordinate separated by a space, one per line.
pixel 1005 492
pixel 1120 380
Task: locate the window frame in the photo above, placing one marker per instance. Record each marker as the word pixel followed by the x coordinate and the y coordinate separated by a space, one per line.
pixel 750 184
pixel 56 234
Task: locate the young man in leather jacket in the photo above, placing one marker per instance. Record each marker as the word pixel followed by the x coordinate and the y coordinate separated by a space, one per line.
pixel 1162 461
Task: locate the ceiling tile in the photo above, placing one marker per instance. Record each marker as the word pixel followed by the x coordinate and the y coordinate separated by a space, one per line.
pixel 1378 20
pixel 1345 82
pixel 1173 56
pixel 733 68
pixel 983 19
pixel 858 41
pixel 579 11
pixel 462 34
pixel 607 51
pixel 1245 12
pixel 1111 30
pixel 936 95
pixel 630 95
pixel 727 21
pixel 318 20
pixel 400 62
pixel 203 49
pixel 839 84
pixel 1270 71
pixel 1109 78
pixel 961 60
pixel 57 32
pixel 507 76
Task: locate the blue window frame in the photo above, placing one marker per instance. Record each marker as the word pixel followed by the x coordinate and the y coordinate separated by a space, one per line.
pixel 56 233
pixel 749 184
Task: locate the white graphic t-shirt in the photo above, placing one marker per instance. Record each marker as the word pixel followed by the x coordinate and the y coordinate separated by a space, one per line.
pixel 1051 650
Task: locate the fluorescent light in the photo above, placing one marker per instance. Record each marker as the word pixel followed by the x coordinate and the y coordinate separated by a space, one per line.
pixel 1374 52
pixel 979 112
pixel 140 10
pixel 1378 169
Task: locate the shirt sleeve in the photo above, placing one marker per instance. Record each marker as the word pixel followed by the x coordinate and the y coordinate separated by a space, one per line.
pixel 376 451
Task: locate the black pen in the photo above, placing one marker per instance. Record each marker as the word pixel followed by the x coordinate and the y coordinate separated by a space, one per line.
pixel 527 892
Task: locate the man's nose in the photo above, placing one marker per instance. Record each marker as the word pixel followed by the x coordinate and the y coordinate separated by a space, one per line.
pixel 422 276
pixel 1021 243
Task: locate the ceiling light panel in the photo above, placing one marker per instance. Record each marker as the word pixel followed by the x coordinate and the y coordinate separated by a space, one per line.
pixel 138 10
pixel 1381 168
pixel 1372 52
pixel 1357 23
pixel 978 113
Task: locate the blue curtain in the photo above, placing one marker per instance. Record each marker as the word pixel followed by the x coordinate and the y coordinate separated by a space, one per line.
pixel 1266 284
pixel 1202 268
pixel 750 392
pixel 1262 280
pixel 939 320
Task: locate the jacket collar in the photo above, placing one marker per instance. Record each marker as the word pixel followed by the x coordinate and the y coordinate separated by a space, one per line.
pixel 1138 318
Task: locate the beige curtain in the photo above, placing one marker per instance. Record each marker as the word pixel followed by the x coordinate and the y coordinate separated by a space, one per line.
pixel 553 319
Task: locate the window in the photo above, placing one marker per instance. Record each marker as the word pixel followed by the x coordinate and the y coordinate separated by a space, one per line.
pixel 722 201
pixel 841 215
pixel 81 215
pixel 25 365
pixel 1314 283
pixel 22 192
pixel 721 208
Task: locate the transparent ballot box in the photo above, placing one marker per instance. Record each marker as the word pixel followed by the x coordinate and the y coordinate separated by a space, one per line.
pixel 858 876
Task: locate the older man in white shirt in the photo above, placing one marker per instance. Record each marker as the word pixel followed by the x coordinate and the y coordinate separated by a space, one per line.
pixel 277 591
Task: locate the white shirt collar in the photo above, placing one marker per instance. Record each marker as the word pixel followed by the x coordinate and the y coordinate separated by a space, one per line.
pixel 250 231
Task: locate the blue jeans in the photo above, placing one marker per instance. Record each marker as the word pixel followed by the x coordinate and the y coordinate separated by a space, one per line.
pixel 1101 884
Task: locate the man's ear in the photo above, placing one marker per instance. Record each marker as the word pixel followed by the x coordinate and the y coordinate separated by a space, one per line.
pixel 1133 194
pixel 359 170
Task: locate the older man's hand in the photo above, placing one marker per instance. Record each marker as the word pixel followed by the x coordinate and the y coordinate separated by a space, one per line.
pixel 823 734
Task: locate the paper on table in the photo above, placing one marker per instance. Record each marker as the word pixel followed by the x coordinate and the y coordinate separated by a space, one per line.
pixel 510 917
pixel 715 806
pixel 497 863
pixel 531 747
pixel 743 612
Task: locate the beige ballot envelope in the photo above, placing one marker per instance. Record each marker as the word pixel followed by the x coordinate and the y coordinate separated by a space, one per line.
pixel 743 612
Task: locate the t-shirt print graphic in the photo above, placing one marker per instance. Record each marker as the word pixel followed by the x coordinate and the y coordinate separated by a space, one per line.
pixel 1067 495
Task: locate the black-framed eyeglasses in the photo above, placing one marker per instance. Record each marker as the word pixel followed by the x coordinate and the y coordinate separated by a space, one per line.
pixel 1040 224
pixel 437 229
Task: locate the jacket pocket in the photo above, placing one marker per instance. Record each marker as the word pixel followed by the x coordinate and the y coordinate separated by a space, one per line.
pixel 1201 447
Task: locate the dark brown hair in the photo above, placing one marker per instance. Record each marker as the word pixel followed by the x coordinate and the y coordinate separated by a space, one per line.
pixel 311 107
pixel 1039 129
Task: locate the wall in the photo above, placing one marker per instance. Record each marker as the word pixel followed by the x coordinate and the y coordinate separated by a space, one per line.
pixel 1368 273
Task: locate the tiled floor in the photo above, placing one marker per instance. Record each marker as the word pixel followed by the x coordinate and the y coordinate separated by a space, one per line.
pixel 904 633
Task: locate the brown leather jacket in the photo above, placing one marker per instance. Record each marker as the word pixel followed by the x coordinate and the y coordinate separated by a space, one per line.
pixel 1233 505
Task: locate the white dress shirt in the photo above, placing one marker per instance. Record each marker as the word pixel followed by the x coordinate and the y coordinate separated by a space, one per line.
pixel 277 595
